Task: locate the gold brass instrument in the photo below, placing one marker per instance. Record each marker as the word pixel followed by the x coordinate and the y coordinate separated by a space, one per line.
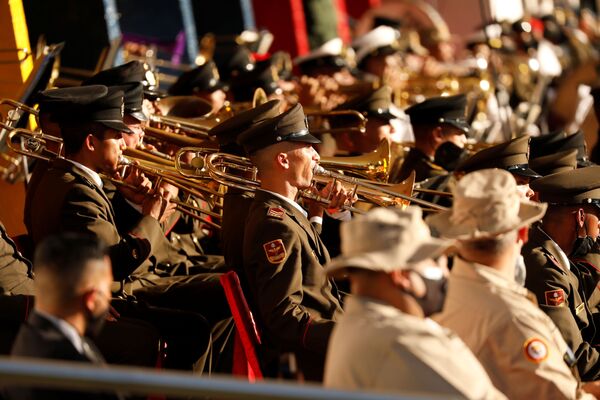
pixel 14 166
pixel 46 147
pixel 260 97
pixel 15 113
pixel 220 167
pixel 194 127
pixel 34 144
pixel 163 136
pixel 373 166
pixel 187 186
pixel 360 124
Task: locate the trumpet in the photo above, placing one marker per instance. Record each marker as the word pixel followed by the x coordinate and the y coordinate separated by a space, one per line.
pixel 220 166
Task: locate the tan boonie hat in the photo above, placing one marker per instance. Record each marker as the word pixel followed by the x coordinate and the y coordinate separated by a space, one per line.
pixel 486 203
pixel 385 239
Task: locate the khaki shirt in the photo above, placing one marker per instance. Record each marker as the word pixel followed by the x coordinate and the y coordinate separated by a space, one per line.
pixel 518 345
pixel 377 347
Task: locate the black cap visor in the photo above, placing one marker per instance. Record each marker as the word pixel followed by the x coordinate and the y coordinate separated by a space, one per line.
pixel 116 125
pixel 523 170
pixel 457 123
pixel 302 136
pixel 137 114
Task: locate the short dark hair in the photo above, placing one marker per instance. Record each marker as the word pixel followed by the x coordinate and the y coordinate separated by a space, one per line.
pixel 75 132
pixel 62 257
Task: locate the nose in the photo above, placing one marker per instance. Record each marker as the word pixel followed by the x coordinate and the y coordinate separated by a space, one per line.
pixel 316 157
pixel 529 192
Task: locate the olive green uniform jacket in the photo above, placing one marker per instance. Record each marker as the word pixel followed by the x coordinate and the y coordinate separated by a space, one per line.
pixel 66 200
pixel 295 302
pixel 552 278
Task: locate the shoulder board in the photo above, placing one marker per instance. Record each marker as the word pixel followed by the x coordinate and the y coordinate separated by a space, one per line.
pixel 276 212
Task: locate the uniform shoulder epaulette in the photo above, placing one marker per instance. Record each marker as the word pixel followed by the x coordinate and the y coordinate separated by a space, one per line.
pixel 275 212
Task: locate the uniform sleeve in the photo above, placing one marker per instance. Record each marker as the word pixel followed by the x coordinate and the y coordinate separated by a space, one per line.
pixel 273 263
pixel 554 295
pixel 80 213
pixel 530 360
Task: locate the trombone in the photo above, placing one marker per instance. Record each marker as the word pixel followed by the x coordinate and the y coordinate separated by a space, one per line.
pixel 218 163
pixel 37 145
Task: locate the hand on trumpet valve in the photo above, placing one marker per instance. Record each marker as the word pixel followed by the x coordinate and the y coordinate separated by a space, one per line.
pixel 337 195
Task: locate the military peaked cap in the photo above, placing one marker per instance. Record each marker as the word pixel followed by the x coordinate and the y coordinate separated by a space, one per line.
pixel 440 110
pixel 573 187
pixel 289 126
pixel 510 156
pixel 553 163
pixel 204 78
pixel 228 131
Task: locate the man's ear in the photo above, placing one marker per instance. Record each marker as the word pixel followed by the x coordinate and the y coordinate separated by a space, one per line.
pixel 580 218
pixel 90 143
pixel 89 300
pixel 282 160
pixel 438 134
pixel 400 278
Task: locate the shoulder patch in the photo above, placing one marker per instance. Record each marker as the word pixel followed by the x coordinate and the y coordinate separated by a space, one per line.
pixel 275 251
pixel 276 212
pixel 535 350
pixel 554 297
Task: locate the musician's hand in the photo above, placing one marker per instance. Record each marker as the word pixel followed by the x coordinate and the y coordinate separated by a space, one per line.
pixel 168 206
pixel 135 179
pixel 338 197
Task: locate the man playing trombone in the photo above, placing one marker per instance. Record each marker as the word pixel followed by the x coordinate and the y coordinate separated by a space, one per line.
pixel 70 197
pixel 294 301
